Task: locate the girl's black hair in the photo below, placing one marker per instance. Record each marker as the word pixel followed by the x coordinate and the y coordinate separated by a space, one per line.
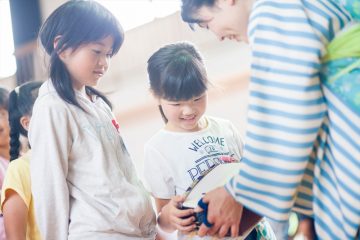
pixel 189 8
pixel 177 73
pixel 4 98
pixel 77 23
pixel 21 102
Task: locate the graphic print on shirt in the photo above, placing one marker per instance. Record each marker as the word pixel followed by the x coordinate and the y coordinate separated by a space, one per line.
pixel 106 130
pixel 212 151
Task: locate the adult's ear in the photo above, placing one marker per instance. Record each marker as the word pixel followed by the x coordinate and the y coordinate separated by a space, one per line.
pixel 25 122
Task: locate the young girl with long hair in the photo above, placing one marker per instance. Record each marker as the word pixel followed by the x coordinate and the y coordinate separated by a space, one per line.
pixel 83 180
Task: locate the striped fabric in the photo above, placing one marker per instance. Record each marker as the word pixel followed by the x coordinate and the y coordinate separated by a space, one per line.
pixel 298 132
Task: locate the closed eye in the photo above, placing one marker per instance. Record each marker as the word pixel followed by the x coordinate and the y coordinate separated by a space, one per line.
pixel 197 99
pixel 203 25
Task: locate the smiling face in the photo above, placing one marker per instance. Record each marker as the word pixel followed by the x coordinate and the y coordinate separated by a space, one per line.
pixel 184 116
pixel 88 63
pixel 227 19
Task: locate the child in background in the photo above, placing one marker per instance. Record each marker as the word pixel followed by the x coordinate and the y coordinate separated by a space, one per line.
pixel 302 142
pixel 190 142
pixel 83 180
pixel 4 145
pixel 4 130
pixel 16 201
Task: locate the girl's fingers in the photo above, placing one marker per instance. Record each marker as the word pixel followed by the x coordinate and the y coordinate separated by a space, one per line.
pixel 183 222
pixel 183 213
pixel 185 229
pixel 188 229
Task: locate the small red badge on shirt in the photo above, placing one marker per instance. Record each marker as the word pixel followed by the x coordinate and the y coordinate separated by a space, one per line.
pixel 228 159
pixel 116 125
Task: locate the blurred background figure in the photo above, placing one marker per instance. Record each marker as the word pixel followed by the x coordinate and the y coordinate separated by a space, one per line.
pixel 16 198
pixel 4 144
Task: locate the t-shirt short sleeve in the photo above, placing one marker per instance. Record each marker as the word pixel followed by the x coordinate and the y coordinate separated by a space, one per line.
pixel 17 178
pixel 157 174
pixel 238 138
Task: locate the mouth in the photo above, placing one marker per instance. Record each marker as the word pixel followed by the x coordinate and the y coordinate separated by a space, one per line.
pixel 189 118
pixel 98 73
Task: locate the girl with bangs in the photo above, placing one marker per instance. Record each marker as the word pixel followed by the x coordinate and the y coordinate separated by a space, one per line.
pixel 83 180
pixel 190 143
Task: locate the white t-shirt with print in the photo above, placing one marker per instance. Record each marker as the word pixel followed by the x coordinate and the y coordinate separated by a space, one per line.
pixel 174 160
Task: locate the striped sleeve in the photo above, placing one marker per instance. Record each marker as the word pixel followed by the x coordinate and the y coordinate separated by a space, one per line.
pixel 286 110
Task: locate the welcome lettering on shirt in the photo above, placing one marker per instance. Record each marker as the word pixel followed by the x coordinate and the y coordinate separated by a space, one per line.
pixel 212 150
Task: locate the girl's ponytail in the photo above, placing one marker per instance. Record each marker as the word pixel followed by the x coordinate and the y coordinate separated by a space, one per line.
pixel 21 102
pixel 14 122
pixel 61 80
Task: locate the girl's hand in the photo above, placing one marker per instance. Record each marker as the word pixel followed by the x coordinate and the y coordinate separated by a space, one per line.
pixel 182 220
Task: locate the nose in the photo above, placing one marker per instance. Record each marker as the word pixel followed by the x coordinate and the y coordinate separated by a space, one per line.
pixel 188 110
pixel 104 61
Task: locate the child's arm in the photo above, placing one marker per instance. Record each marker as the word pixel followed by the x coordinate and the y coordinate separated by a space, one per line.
pixel 50 137
pixel 171 218
pixel 15 214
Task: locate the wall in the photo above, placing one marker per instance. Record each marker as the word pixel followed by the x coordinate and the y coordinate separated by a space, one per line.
pixel 126 83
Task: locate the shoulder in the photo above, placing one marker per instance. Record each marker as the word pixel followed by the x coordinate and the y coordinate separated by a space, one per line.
pixel 223 126
pixel 19 166
pixel 158 138
pixel 277 7
pixel 18 175
pixel 48 92
pixel 49 99
pixel 218 122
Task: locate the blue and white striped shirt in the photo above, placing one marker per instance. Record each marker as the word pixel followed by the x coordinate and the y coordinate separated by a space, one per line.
pixel 303 143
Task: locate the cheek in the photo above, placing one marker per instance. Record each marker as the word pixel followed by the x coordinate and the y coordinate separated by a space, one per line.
pixel 171 113
pixel 203 105
pixel 4 129
pixel 4 123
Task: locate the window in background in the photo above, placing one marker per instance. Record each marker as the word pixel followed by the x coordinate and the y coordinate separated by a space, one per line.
pixel 132 13
pixel 7 58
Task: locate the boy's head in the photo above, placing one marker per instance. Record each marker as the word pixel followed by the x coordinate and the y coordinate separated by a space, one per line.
pixel 225 18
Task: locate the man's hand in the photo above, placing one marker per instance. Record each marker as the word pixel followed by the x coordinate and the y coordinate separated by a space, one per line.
pixel 223 212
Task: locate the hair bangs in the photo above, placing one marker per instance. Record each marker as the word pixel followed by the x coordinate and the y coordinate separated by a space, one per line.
pixel 82 22
pixel 183 81
pixel 189 9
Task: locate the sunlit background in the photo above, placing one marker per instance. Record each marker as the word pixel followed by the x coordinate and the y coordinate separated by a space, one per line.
pixel 133 13
pixel 130 13
pixel 7 59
